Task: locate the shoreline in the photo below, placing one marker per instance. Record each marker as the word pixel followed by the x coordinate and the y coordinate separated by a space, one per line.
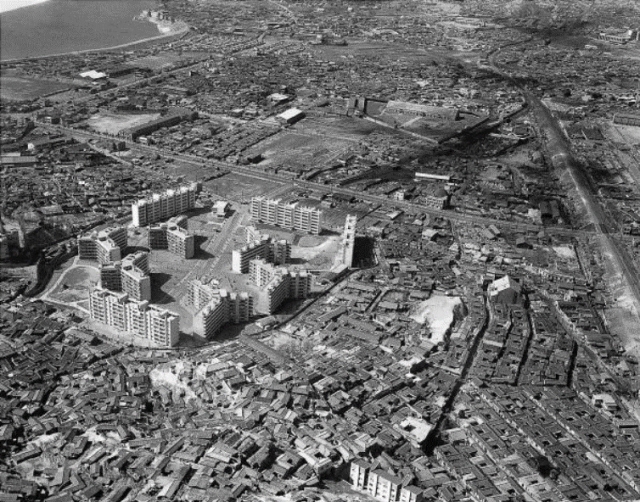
pixel 183 30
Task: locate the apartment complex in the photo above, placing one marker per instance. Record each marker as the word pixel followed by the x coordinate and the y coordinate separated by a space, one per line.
pixel 103 246
pixel 173 236
pixel 161 206
pixel 137 318
pixel 282 214
pixel 131 276
pixel 260 246
pixel 217 307
pixel 278 284
pixel 381 484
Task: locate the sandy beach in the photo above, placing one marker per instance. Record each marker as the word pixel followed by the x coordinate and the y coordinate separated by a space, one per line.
pixel 8 5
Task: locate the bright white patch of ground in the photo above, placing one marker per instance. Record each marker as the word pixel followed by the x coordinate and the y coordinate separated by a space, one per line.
pixel 165 377
pixel 308 253
pixel 437 311
pixel 114 123
pixel 45 439
pixel 93 436
pixel 565 252
pixel 631 134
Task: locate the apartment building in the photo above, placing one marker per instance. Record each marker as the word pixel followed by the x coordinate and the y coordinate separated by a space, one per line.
pixel 281 214
pixel 217 307
pixel 382 485
pixel 261 273
pixel 136 280
pixel 162 326
pixel 173 236
pixel 275 293
pixel 348 241
pixel 161 206
pixel 103 246
pixel 137 318
pixel 261 247
pixel 131 276
pixel 358 473
pixel 252 234
pixel 200 293
pixel 300 284
pixel 240 258
pixel 278 284
pixel 111 276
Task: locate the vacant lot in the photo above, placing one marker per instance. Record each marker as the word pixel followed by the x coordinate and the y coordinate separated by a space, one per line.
pixel 315 252
pixel 156 62
pixel 113 124
pixel 298 151
pixel 21 88
pixel 75 284
pixel 241 188
pixel 437 311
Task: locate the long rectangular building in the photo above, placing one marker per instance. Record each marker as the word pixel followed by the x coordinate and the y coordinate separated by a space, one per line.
pixel 137 318
pixel 161 206
pixel 623 118
pixel 172 118
pixel 347 244
pixel 285 215
pixel 382 485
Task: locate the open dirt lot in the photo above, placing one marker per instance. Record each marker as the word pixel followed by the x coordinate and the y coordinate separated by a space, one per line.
pixel 156 62
pixel 112 123
pixel 437 311
pixel 75 284
pixel 298 150
pixel 240 188
pixel 22 88
pixel 316 252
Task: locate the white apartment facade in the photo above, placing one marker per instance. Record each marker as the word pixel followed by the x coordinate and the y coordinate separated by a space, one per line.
pixel 161 206
pixel 137 318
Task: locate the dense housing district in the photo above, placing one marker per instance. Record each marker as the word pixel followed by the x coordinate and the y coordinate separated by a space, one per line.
pixel 350 251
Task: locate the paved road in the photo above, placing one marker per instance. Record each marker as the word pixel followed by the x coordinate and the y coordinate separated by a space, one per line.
pixel 563 160
pixel 606 227
pixel 255 173
pixel 216 246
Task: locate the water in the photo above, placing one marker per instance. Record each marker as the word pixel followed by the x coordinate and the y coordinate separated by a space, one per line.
pixel 60 26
